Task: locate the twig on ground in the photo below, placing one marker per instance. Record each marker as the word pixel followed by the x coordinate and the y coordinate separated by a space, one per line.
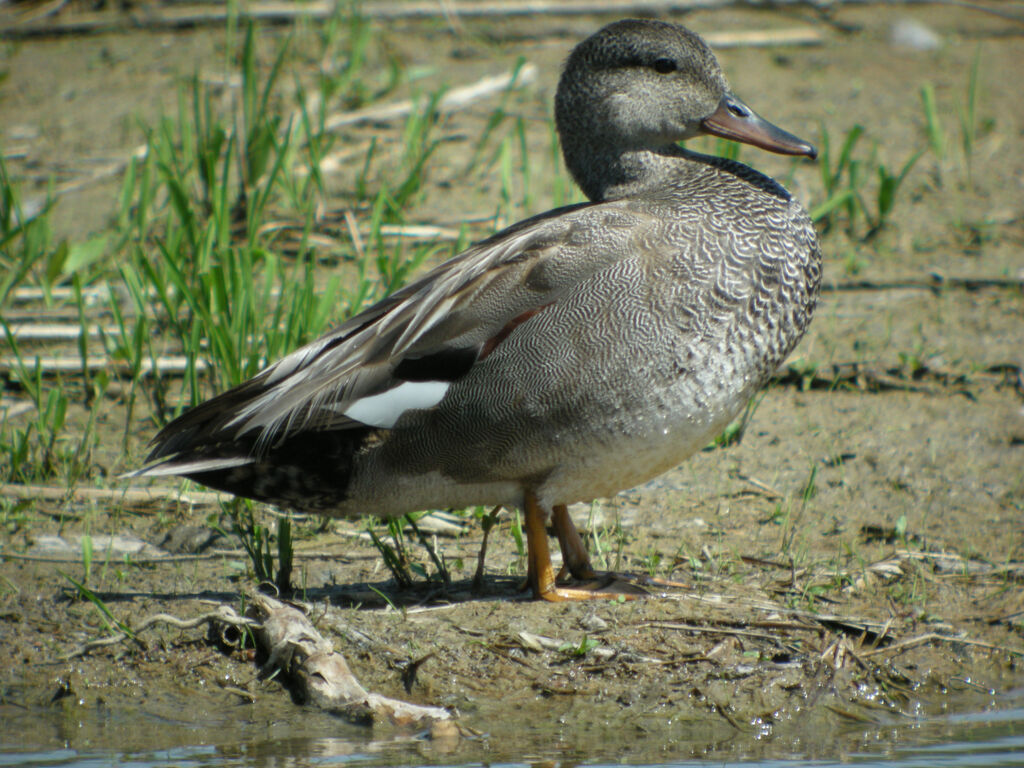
pixel 868 377
pixel 713 630
pixel 951 564
pixel 936 637
pixel 224 615
pixel 216 554
pixel 934 281
pixel 123 495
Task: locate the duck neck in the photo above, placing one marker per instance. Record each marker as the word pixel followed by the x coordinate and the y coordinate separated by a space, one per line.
pixel 606 172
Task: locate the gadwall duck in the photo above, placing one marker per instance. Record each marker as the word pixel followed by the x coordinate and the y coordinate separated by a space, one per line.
pixel 573 355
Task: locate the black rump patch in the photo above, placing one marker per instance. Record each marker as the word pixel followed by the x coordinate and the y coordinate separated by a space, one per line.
pixel 309 471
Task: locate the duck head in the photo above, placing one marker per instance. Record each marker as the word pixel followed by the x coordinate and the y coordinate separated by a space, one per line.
pixel 642 86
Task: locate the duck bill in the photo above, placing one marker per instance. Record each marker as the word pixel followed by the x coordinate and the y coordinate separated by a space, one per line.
pixel 735 120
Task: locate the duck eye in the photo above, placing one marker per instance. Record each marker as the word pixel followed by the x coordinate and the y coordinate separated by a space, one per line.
pixel 664 66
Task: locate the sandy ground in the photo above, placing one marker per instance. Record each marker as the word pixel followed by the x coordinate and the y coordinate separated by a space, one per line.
pixel 854 564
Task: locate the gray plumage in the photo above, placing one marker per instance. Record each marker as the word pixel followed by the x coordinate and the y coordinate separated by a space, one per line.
pixel 573 355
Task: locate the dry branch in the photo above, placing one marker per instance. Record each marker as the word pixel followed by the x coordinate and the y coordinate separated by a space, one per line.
pixel 59 293
pixel 936 637
pixel 56 331
pixel 933 281
pixel 321 675
pixel 11 409
pixel 715 630
pixel 224 616
pixel 216 554
pixel 121 495
pixel 417 232
pixel 763 38
pixel 112 168
pixel 955 565
pixel 51 364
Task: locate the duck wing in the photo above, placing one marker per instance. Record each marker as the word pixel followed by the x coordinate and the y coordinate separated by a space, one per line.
pixel 404 351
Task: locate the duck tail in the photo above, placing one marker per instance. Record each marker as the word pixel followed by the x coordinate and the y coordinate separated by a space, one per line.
pixel 307 467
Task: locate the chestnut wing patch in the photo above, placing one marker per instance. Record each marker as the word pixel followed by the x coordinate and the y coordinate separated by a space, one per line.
pixel 453 364
pixel 492 343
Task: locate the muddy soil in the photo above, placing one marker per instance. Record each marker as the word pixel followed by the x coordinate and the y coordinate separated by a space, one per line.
pixel 854 563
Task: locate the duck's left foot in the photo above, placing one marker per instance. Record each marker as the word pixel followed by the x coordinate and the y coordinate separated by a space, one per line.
pixel 607 585
pixel 593 591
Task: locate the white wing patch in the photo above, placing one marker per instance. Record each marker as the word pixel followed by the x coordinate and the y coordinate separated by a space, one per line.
pixel 383 410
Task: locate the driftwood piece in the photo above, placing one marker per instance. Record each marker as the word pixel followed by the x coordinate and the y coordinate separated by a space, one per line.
pixel 321 675
pixel 177 15
pixel 307 660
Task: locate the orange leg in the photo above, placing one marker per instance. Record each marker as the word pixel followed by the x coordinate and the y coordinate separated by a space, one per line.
pixel 539 573
pixel 574 554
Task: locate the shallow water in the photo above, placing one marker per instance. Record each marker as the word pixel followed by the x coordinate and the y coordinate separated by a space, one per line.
pixel 300 738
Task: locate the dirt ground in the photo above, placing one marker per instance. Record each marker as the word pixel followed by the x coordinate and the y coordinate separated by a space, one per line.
pixel 853 565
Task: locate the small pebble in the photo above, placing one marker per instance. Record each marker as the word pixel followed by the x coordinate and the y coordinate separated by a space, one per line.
pixel 912 34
